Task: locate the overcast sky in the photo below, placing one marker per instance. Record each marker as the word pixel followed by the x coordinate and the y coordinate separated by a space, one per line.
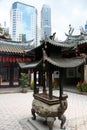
pixel 63 13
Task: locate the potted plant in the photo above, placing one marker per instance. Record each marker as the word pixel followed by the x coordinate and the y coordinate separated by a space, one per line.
pixel 82 86
pixel 23 82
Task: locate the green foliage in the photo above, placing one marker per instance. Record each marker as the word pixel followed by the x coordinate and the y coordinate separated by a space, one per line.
pixel 32 84
pixel 79 85
pixel 82 86
pixel 55 84
pixel 23 80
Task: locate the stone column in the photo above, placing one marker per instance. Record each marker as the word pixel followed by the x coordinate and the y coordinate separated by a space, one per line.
pixel 50 81
pixel 34 81
pixel 11 74
pixel 85 73
pixel 61 83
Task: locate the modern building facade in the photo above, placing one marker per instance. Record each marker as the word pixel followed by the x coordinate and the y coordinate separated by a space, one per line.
pixel 46 21
pixel 4 29
pixel 23 19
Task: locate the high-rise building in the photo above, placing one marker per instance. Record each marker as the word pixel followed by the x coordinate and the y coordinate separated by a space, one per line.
pixel 4 29
pixel 23 19
pixel 46 21
pixel 86 27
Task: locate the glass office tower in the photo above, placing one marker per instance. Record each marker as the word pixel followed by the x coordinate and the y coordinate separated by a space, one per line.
pixel 23 22
pixel 46 21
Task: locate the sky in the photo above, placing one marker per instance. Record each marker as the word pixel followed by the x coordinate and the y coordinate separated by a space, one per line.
pixel 63 13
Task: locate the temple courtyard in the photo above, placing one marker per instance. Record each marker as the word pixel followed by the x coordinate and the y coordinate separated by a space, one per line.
pixel 15 110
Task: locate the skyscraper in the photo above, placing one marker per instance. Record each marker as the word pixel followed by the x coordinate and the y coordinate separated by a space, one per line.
pixel 23 19
pixel 46 21
pixel 86 27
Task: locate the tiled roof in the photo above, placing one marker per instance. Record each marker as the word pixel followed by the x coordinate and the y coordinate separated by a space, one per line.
pixel 79 39
pixel 4 36
pixel 11 48
pixel 54 43
pixel 59 62
pixel 61 43
pixel 68 43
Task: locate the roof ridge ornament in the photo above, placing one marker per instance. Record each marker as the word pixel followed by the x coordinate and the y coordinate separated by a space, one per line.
pixel 52 37
pixel 70 32
pixel 82 31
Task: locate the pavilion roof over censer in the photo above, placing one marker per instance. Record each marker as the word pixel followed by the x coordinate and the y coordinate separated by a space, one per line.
pixel 55 57
pixel 59 62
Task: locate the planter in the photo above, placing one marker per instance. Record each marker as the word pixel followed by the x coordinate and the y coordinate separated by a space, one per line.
pixel 24 90
pixel 23 82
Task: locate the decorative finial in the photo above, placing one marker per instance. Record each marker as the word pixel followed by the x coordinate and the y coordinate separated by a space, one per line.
pixel 70 29
pixel 52 37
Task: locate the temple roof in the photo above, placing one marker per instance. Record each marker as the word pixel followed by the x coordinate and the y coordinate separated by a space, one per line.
pixel 20 47
pixel 59 62
pixel 72 42
pixel 7 46
pixel 13 47
pixel 3 36
pixel 79 39
pixel 65 62
pixel 25 65
pixel 54 43
pixel 34 48
pixel 61 43
pixel 5 41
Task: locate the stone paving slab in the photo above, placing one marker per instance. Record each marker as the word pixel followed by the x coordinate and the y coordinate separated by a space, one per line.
pixel 79 123
pixel 38 124
pixel 17 106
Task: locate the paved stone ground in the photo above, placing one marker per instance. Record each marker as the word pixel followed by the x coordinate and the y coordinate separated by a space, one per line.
pixel 76 112
pixel 17 106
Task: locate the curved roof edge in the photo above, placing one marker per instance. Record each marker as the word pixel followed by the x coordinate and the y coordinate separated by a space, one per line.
pixel 25 65
pixel 28 50
pixel 9 42
pixel 66 62
pixel 61 43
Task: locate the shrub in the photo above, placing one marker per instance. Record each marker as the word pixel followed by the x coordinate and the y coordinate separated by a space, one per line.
pixel 32 84
pixel 82 86
pixel 79 85
pixel 23 80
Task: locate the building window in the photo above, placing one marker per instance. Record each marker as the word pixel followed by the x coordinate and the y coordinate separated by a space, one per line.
pixel 70 73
